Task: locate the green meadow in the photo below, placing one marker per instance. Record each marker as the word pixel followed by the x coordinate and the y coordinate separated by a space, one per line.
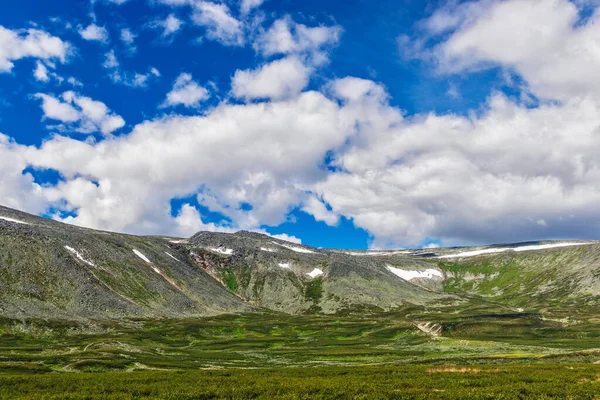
pixel 273 355
pixel 365 382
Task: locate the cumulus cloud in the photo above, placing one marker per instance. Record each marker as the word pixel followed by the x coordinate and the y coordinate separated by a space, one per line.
pixel 41 72
pixel 189 221
pixel 278 79
pixel 74 81
pixel 30 43
pixel 18 189
pixel 240 154
pixel 319 210
pixel 169 26
pixel 186 92
pixel 507 172
pixel 128 38
pixel 79 113
pixel 94 32
pixel 287 37
pixel 548 43
pixel 486 178
pixel 248 5
pixel 220 25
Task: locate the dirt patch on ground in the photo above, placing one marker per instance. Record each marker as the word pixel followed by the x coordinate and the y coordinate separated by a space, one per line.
pixel 588 380
pixel 462 370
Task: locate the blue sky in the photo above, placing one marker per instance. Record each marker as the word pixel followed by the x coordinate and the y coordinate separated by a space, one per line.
pixel 341 124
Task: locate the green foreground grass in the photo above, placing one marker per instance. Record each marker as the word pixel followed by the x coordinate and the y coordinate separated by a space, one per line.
pixel 368 382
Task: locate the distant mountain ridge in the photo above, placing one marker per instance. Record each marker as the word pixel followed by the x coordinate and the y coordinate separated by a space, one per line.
pixel 53 270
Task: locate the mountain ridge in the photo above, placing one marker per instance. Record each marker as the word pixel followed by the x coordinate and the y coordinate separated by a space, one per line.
pixel 55 270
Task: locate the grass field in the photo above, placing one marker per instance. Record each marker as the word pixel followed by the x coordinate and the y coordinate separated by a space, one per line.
pixel 474 353
pixel 368 382
pixel 259 340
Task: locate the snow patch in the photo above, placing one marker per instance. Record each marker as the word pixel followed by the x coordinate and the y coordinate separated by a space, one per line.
pixel 315 273
pixel 268 250
pixel 140 255
pixel 294 248
pixel 285 265
pixel 178 241
pixel 16 221
pixel 222 250
pixel 155 269
pixel 408 275
pixel 494 250
pixel 79 256
pixel 170 255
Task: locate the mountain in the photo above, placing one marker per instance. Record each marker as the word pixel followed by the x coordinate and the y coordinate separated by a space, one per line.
pixel 53 270
pixel 50 269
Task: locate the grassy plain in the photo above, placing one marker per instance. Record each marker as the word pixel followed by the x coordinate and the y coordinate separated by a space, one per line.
pixel 367 382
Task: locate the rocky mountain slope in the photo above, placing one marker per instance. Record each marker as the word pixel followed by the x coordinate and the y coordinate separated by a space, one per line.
pixel 53 270
pixel 50 269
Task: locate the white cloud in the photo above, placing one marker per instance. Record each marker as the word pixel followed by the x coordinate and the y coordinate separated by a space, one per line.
pixel 18 189
pixel 55 109
pixel 41 72
pixel 248 5
pixel 110 60
pixel 546 44
pixel 169 26
pixel 186 92
pixel 278 79
pixel 126 78
pixel 189 221
pixel 79 113
pixel 254 154
pixel 488 177
pixel 508 172
pixel 287 37
pixel 94 32
pixel 128 38
pixel 15 45
pixel 318 209
pixel 74 81
pixel 483 178
pixel 220 25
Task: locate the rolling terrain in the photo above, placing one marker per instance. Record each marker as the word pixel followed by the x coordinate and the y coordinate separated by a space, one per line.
pixel 76 299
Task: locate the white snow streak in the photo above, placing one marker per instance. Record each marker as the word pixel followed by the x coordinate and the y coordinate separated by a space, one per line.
pixel 221 250
pixel 143 257
pixel 315 272
pixel 268 249
pixel 158 271
pixel 16 221
pixel 79 256
pixel 408 275
pixel 294 248
pixel 170 255
pixel 285 265
pixel 517 249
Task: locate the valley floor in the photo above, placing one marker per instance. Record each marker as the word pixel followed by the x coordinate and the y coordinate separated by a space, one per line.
pixel 409 353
